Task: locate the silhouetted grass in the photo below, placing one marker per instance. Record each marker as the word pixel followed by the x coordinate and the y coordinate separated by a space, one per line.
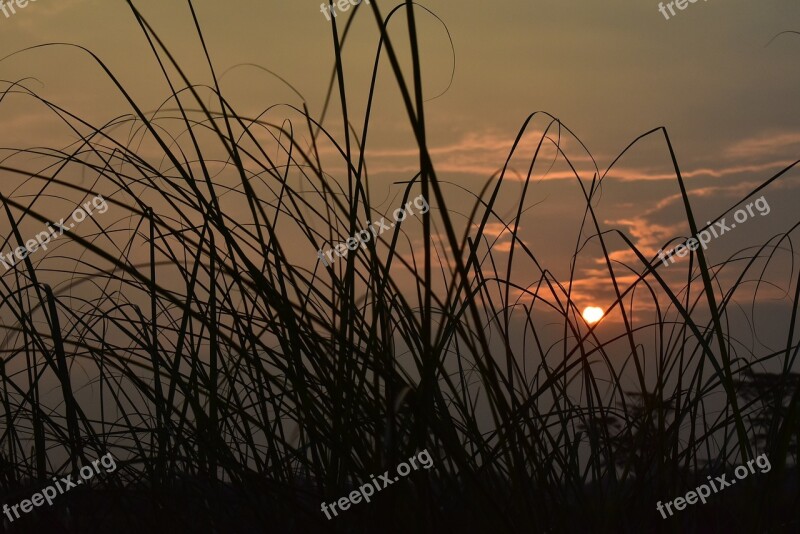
pixel 239 384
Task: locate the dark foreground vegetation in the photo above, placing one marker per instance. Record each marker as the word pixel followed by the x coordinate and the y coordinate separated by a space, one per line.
pixel 239 383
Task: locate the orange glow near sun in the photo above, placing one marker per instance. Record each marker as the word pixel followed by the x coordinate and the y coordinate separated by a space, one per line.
pixel 592 314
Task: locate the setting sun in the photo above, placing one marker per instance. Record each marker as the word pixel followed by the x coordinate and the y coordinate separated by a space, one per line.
pixel 592 314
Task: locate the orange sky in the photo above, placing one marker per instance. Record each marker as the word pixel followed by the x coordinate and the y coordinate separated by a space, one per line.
pixel 610 71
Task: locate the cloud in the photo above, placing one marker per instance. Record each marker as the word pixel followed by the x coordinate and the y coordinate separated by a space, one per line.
pixel 650 212
pixel 629 175
pixel 485 153
pixel 494 230
pixel 765 145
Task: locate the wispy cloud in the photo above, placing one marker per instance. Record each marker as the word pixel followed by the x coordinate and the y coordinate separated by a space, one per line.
pixel 773 144
pixel 484 154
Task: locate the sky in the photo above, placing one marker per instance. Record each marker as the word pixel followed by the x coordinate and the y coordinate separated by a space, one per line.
pixel 608 71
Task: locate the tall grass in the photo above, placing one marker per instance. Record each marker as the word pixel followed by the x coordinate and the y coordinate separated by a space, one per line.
pixel 239 384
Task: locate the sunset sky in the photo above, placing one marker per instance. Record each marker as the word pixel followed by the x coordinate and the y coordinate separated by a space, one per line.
pixel 524 327
pixel 609 71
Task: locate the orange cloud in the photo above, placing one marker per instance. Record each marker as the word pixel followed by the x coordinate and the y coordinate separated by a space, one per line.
pixel 773 144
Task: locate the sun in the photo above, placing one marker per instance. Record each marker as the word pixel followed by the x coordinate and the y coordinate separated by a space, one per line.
pixel 592 314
